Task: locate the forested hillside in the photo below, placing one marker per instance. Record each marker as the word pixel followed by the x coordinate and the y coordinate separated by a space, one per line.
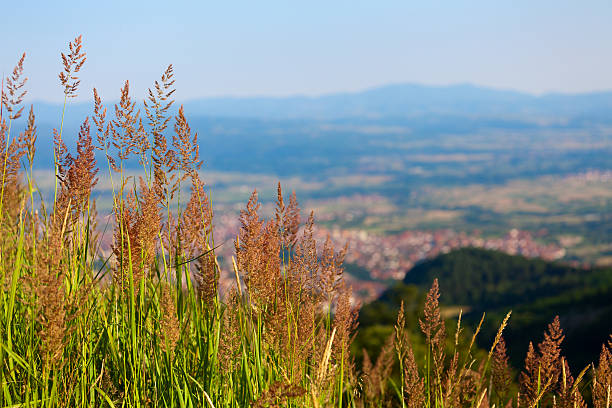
pixel 481 280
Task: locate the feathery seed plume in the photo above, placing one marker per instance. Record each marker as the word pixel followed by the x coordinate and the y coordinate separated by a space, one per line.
pixel 542 369
pixel 500 371
pixel 602 379
pixel 29 136
pixel 434 329
pixel 73 62
pixel 169 322
pixel 81 176
pixel 13 96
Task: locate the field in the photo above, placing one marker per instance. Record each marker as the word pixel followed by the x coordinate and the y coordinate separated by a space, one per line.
pixel 566 218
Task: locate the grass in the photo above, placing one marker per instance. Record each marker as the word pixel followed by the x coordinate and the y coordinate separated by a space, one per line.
pixel 147 326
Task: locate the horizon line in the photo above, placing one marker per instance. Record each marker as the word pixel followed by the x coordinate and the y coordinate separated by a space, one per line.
pixel 361 91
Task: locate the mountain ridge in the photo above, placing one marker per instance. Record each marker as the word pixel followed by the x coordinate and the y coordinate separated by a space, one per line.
pixel 392 100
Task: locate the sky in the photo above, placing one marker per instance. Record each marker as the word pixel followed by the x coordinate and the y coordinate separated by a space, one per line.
pixel 280 48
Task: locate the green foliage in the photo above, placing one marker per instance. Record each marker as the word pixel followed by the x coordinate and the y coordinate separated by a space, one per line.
pixel 535 291
pixel 486 279
pixel 383 311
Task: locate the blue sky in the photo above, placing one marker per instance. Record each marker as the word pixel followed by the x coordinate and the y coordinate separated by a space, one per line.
pixel 246 48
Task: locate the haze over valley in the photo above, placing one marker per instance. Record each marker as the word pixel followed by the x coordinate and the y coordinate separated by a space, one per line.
pixel 412 166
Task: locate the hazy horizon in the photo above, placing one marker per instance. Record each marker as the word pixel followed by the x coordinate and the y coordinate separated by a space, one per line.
pixel 83 100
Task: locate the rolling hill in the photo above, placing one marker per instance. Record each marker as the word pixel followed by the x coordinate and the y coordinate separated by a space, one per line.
pixel 481 280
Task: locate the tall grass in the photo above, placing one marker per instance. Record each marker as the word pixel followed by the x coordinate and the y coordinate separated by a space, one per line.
pixel 150 328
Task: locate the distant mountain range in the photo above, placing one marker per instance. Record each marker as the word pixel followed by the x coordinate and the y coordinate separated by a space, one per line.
pixel 407 100
pixel 399 100
pixel 307 135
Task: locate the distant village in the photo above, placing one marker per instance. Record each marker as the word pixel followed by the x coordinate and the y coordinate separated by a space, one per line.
pixel 389 257
pixel 384 258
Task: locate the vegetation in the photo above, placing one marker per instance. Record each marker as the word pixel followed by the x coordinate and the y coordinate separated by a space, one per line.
pixel 488 279
pixel 535 290
pixel 147 326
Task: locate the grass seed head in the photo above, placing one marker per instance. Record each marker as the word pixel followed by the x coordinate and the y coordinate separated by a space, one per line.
pixel 500 370
pixel 14 94
pixel 73 62
pixel 602 379
pixel 81 176
pixel 432 325
pixel 170 324
pixel 414 386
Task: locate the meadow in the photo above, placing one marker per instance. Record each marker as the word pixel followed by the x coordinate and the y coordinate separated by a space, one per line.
pixel 147 325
